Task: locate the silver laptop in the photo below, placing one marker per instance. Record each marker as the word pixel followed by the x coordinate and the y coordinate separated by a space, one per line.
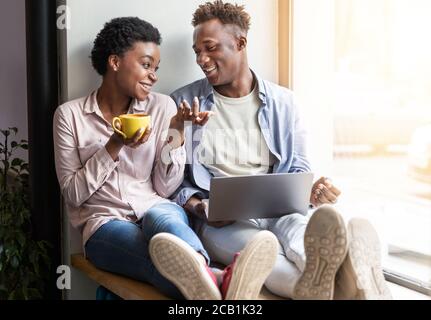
pixel 259 196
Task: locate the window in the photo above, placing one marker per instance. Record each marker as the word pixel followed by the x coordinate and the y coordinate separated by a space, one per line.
pixel 361 72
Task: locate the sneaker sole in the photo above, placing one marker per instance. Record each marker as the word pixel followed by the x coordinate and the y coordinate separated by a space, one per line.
pixel 364 259
pixel 180 264
pixel 325 243
pixel 253 266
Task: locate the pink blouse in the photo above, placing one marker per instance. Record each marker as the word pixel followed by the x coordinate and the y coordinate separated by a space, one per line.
pixel 98 189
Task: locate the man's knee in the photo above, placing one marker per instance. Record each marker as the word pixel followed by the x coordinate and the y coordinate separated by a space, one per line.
pixel 326 208
pixel 294 218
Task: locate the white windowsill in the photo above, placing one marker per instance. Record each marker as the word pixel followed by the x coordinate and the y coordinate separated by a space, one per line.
pixel 402 293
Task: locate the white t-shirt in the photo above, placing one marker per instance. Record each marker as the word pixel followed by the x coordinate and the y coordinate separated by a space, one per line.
pixel 232 143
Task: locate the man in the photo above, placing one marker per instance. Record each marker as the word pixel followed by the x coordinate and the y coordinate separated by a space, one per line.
pixel 318 258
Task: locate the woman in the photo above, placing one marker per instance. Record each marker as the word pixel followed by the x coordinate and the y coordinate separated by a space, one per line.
pixel 115 188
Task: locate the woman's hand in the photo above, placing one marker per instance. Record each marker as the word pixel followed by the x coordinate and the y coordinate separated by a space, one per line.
pixel 117 142
pixel 324 191
pixel 187 113
pixel 138 139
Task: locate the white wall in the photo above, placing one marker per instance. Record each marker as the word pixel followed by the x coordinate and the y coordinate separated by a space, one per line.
pixel 13 77
pixel 177 68
pixel 173 19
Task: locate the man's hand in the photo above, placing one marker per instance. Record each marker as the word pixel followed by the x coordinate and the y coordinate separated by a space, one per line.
pixel 324 191
pixel 199 208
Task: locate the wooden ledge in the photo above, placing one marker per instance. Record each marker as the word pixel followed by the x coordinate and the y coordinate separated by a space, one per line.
pixel 123 287
pixel 127 288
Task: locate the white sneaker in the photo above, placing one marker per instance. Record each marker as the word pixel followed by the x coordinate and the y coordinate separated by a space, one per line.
pixel 325 243
pixel 244 278
pixel 361 275
pixel 178 262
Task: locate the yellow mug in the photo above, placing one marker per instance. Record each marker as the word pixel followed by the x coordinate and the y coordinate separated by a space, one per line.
pixel 131 123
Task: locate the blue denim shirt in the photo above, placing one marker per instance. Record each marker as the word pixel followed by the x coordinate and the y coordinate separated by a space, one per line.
pixel 278 118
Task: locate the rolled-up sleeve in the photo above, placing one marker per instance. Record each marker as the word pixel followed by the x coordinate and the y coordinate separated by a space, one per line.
pixel 168 171
pixel 300 161
pixel 78 181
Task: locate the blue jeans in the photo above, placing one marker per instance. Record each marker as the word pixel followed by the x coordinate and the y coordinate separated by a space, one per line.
pixel 122 247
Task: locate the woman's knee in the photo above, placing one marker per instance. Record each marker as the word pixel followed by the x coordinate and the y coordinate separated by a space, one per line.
pixel 160 218
pixel 162 213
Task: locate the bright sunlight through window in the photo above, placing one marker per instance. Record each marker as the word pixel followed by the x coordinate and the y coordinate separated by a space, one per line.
pixel 364 66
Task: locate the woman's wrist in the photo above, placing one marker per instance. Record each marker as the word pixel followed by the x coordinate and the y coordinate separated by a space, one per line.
pixel 176 138
pixel 177 124
pixel 114 146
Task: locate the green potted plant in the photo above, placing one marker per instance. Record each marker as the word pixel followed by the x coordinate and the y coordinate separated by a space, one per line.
pixel 24 262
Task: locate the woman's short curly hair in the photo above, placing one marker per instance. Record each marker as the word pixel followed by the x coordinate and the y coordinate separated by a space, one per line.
pixel 118 36
pixel 227 13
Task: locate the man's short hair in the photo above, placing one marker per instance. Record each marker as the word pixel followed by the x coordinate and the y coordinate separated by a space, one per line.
pixel 227 13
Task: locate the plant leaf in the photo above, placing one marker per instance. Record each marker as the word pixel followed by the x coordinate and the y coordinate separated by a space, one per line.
pixel 34 293
pixel 17 162
pixel 12 295
pixel 14 169
pixel 21 239
pixel 14 262
pixel 23 261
